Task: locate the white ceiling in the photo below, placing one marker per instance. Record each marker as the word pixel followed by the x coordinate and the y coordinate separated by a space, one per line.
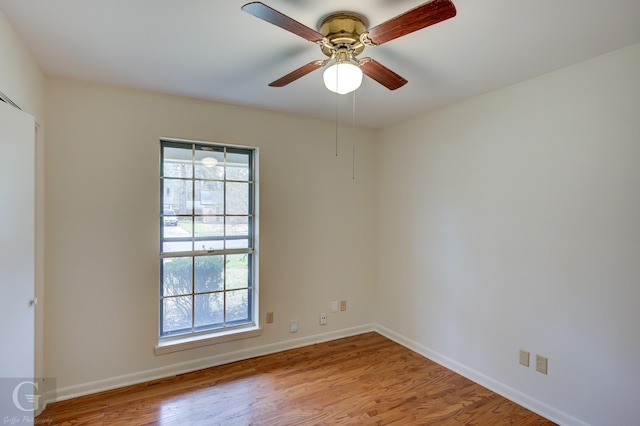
pixel 210 49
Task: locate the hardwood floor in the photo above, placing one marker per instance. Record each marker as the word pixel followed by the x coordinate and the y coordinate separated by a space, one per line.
pixel 365 379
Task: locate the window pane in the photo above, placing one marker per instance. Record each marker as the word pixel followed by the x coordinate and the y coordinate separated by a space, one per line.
pixel 237 271
pixel 177 162
pixel 237 198
pixel 210 233
pixel 237 231
pixel 209 197
pixel 176 314
pixel 176 276
pixel 209 163
pixel 237 166
pixel 208 273
pixel 177 195
pixel 238 306
pixel 178 238
pixel 209 310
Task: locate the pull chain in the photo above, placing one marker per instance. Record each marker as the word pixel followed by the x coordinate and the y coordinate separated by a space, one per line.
pixel 353 137
pixel 336 98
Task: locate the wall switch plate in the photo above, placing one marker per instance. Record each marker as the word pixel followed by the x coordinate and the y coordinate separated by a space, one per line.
pixel 541 364
pixel 343 305
pixel 293 326
pixel 334 306
pixel 323 319
pixel 269 317
pixel 524 357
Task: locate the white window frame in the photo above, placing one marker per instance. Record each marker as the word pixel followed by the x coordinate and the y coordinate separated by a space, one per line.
pixel 197 336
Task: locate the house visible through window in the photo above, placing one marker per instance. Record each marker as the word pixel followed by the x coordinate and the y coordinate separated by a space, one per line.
pixel 207 238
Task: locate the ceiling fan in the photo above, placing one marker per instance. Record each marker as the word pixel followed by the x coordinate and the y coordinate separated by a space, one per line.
pixel 343 36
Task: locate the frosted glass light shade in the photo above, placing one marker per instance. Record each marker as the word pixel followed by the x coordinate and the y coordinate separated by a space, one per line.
pixel 209 161
pixel 342 77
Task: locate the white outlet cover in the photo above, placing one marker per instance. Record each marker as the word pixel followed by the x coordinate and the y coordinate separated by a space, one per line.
pixel 293 326
pixel 334 306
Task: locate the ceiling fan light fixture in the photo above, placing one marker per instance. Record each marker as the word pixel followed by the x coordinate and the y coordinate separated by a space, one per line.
pixel 342 77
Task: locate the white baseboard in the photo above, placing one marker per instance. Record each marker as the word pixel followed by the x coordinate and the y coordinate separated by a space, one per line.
pixel 508 392
pixel 198 364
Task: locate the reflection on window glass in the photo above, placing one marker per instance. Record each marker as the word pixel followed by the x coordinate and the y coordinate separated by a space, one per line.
pixel 207 223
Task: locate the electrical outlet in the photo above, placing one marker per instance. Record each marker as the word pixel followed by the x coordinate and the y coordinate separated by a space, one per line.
pixel 269 317
pixel 334 306
pixel 343 305
pixel 323 319
pixel 293 326
pixel 541 364
pixel 524 357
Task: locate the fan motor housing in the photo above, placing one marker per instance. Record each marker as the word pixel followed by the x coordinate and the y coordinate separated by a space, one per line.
pixel 343 28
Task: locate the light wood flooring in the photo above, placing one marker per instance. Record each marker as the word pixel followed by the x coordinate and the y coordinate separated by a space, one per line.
pixel 365 379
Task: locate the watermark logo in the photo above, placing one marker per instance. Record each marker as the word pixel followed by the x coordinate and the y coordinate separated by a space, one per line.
pixel 22 398
pixel 24 389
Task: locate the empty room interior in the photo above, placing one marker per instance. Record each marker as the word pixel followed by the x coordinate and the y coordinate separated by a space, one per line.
pixel 476 200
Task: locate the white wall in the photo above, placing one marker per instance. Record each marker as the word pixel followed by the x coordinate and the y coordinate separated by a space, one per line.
pixel 511 221
pixel 102 198
pixel 20 76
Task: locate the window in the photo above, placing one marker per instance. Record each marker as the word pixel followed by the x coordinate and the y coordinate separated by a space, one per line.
pixel 208 277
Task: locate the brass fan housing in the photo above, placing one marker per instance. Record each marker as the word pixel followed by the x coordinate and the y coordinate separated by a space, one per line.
pixel 343 29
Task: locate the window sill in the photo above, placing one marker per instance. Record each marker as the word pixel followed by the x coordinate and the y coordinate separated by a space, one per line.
pixel 192 342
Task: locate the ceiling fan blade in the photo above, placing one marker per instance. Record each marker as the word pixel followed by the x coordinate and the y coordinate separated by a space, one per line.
pixel 272 16
pixel 294 75
pixel 381 74
pixel 413 20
